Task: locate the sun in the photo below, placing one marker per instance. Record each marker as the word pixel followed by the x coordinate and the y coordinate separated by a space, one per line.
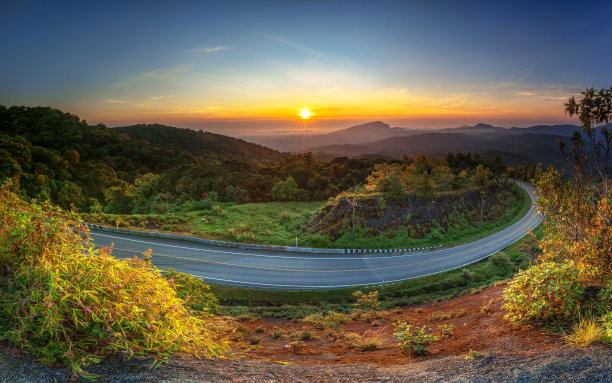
pixel 305 113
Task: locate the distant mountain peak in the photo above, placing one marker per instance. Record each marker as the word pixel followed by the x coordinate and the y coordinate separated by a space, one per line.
pixel 481 125
pixel 370 125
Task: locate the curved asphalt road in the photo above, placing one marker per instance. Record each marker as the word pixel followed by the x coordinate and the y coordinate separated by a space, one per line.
pixel 301 271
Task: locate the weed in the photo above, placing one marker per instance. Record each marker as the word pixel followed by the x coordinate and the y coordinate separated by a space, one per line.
pixel 473 354
pixel 586 331
pixel 414 341
pixel 296 346
pixel 457 313
pixel 487 307
pixel 276 333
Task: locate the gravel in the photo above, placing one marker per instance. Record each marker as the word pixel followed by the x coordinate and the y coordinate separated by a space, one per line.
pixel 592 364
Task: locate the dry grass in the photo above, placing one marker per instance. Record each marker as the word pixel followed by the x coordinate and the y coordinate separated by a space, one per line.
pixel 457 313
pixel 586 331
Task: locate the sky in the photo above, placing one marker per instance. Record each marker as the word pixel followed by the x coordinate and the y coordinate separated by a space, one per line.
pixel 246 68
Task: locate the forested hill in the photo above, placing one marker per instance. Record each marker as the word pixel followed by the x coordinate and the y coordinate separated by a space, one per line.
pixel 54 155
pixel 198 143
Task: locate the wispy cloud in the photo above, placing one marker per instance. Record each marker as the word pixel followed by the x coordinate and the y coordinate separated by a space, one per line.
pixel 207 49
pixel 292 44
pixel 159 98
pixel 512 82
pixel 115 101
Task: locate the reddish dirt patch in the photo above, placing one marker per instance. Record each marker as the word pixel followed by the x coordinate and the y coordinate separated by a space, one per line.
pixel 482 328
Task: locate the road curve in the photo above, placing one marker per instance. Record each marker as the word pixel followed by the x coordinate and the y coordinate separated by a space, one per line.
pixel 299 271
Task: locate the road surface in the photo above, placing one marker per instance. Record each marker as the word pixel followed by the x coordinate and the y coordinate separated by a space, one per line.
pixel 304 271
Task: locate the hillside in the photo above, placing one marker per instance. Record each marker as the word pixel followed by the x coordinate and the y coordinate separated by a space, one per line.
pixel 360 134
pixel 523 148
pixel 198 143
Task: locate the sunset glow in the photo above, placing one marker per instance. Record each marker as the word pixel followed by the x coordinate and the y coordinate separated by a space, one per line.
pixel 208 66
pixel 305 113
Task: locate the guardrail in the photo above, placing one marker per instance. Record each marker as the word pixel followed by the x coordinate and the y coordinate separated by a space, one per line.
pixel 252 246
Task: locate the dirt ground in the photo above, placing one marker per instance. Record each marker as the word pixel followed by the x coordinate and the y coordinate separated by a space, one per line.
pixel 503 353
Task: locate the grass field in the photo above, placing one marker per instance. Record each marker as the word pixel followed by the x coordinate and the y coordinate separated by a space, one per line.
pixel 297 304
pixel 279 223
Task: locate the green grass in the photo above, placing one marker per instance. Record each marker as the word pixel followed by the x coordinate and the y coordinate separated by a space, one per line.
pixel 298 304
pixel 279 223
pixel 276 223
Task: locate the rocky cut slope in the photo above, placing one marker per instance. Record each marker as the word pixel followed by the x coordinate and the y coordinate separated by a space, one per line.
pixel 416 214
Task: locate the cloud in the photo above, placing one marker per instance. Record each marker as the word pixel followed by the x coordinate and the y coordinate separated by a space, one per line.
pixel 292 44
pixel 115 101
pixel 207 49
pixel 159 98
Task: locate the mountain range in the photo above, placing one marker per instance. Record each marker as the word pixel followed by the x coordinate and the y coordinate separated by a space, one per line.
pixel 516 145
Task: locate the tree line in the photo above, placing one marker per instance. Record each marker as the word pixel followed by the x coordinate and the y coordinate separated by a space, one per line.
pixel 56 156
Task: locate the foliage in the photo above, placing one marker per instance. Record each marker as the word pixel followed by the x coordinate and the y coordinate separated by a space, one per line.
pixel 414 341
pixel 577 227
pixel 366 302
pixel 607 324
pixel 585 332
pixel 193 290
pixel 64 301
pixel 473 354
pixel 545 291
pixel 322 321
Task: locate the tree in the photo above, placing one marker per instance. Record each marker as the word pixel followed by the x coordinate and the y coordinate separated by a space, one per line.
pixel 577 209
pixel 286 190
pixel 595 107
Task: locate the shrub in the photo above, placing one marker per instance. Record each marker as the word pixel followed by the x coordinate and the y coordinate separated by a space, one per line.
pixel 296 346
pixel 413 341
pixel 546 291
pixel 193 290
pixel 367 304
pixel 276 333
pixel 331 319
pixel 64 301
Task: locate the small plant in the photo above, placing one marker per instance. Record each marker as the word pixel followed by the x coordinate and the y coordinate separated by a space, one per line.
pixel 253 339
pixel 296 346
pixel 586 331
pixel 301 335
pixel 446 330
pixel 331 319
pixel 473 354
pixel 259 329
pixel 487 307
pixel 276 333
pixel 457 313
pixel 246 317
pixel 414 341
pixel 367 305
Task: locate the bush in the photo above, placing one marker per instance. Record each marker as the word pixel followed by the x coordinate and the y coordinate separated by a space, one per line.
pixel 193 290
pixel 546 291
pixel 413 341
pixel 331 319
pixel 64 301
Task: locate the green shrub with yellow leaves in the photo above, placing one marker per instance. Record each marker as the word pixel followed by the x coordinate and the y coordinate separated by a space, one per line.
pixel 66 302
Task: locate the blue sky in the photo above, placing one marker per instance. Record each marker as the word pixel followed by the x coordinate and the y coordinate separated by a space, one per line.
pixel 221 65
